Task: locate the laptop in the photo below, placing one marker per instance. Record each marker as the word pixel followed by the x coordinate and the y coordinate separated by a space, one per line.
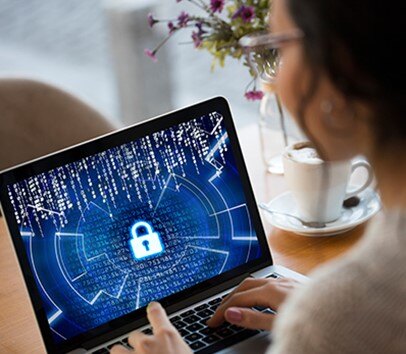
pixel 162 210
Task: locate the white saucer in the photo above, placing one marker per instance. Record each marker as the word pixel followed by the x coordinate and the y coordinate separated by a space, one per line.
pixel 369 205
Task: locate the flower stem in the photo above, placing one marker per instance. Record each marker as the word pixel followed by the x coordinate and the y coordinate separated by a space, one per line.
pixel 165 40
pixel 250 83
pixel 201 5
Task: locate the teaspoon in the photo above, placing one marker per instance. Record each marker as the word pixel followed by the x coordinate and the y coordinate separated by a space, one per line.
pixel 311 224
pixel 348 203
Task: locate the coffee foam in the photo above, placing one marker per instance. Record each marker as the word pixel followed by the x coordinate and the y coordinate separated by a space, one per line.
pixel 304 154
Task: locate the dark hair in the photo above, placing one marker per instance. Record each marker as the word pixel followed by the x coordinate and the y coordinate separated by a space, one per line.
pixel 359 45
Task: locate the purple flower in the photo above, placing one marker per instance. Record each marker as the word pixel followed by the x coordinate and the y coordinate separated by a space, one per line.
pixel 247 13
pixel 151 54
pixel 197 36
pixel 151 20
pixel 216 5
pixel 197 39
pixel 254 95
pixel 199 26
pixel 183 19
pixel 172 27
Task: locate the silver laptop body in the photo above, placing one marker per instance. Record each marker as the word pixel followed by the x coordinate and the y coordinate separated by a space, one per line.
pixel 162 211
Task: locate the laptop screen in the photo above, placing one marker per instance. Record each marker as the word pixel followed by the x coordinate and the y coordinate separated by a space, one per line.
pixel 108 233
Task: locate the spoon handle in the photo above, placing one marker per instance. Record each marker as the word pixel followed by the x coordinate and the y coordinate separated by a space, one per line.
pixel 309 224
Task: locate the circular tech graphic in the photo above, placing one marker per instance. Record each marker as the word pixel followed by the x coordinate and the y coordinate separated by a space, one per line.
pixel 134 224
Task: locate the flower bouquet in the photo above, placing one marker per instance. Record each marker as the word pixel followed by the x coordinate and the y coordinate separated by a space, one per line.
pixel 218 27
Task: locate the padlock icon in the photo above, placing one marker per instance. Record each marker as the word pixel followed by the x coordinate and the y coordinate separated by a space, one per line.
pixel 149 244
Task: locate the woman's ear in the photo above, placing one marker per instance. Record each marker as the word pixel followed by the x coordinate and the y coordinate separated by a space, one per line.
pixel 334 123
pixel 337 117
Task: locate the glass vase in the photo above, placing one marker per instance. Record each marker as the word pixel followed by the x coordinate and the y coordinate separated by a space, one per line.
pixel 274 118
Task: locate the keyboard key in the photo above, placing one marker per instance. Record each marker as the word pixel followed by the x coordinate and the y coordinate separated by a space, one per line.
pixel 203 321
pixel 225 332
pixel 214 307
pixel 193 337
pixel 259 308
pixel 206 331
pixel 223 296
pixel 201 307
pixel 183 332
pixel 212 338
pixel 209 330
pixel 147 331
pixel 187 313
pixel 101 351
pixel 191 319
pixel 236 328
pixel 179 324
pixel 272 276
pixel 223 325
pixel 205 313
pixel 270 311
pixel 215 301
pixel 125 341
pixel 194 327
pixel 197 345
pixel 112 345
pixel 217 344
pixel 174 319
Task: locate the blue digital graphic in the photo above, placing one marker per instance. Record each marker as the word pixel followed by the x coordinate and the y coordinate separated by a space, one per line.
pixel 77 223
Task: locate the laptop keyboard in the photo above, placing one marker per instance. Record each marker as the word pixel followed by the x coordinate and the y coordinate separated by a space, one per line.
pixel 191 325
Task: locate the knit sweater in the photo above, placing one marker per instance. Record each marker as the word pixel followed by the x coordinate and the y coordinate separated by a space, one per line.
pixel 356 304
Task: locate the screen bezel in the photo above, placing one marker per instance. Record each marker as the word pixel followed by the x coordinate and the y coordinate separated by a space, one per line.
pixel 98 145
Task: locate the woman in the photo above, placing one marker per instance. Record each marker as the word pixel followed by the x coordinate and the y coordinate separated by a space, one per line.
pixel 342 80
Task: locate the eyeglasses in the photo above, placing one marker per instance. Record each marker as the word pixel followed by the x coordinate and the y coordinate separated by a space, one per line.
pixel 261 50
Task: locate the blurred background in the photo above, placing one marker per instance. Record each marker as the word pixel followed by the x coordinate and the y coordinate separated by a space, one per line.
pixel 95 50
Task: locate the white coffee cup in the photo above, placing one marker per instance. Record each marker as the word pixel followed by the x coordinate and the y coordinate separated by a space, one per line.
pixel 318 187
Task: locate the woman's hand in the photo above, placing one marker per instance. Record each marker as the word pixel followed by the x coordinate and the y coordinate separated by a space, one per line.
pixel 166 338
pixel 236 307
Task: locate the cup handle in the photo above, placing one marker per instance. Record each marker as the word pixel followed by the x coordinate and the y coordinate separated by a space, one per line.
pixel 367 166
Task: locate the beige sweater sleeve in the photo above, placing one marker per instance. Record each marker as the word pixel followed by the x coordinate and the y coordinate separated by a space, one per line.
pixel 354 305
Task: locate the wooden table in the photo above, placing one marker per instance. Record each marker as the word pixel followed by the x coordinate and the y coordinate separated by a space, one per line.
pixel 18 328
